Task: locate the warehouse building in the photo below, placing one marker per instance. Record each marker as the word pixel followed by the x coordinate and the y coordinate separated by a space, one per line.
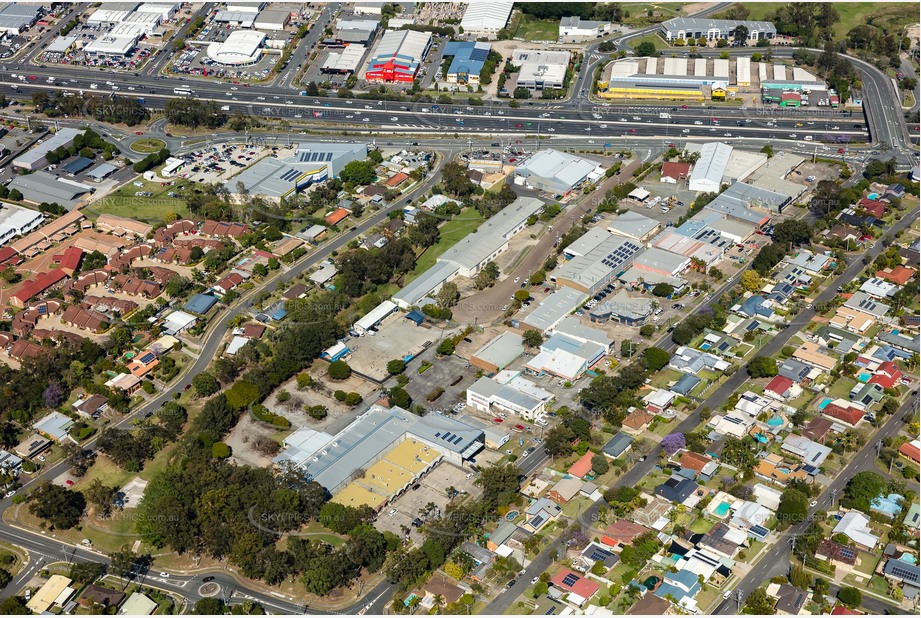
pixel 564 357
pixel 486 19
pixel 398 56
pixel 634 225
pixel 476 250
pixel 707 175
pixel 345 61
pixel 714 29
pixel 42 187
pixel 516 395
pixel 668 78
pixel 272 19
pixel 623 309
pixel 661 262
pixel 748 204
pixel 541 69
pixel 554 309
pixel 498 353
pixel 592 272
pixel 467 61
pixel 374 434
pixel 356 30
pixel 552 171
pixel 16 18
pixel 426 285
pixel 585 243
pixel 242 47
pixel 577 28
pixel 312 162
pixel 372 320
pixel 35 158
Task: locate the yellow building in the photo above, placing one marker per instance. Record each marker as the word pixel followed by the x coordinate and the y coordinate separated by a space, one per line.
pixel 390 476
pixel 56 591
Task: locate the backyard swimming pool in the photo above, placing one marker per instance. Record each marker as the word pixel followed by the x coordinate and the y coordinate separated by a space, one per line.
pixel 722 510
pixel 824 403
pixel 864 376
pixel 775 421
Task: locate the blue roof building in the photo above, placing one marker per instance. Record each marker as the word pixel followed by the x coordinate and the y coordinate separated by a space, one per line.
pixel 754 305
pixel 200 303
pixel 685 384
pixel 468 61
pixel 416 316
pixel 680 585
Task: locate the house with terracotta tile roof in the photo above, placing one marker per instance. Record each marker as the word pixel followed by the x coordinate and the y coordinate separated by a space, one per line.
pixel 69 260
pixel 134 286
pixel 701 465
pixel 396 180
pixel 818 429
pixel 887 375
pixel 336 216
pixel 23 349
pixel 840 556
pixel 582 466
pixel 122 226
pixel 36 286
pixel 899 275
pixel 222 229
pixel 77 316
pixel 228 283
pixel 874 207
pixel 782 388
pixel 675 171
pixel 622 532
pixel 847 414
pixel 911 450
pixel 637 421
pixel 143 364
pixel 579 588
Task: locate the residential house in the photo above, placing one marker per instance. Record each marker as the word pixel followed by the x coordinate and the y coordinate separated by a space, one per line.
pixel 899 275
pixel 622 532
pixel 617 446
pixel 852 320
pixel 791 600
pixel 782 388
pixel 701 466
pixel 594 552
pixel 863 302
pixel 658 401
pixel 795 370
pixel 887 375
pixel 580 589
pixel 500 535
pixel 482 557
pixel 911 450
pixel 818 429
pixel 808 352
pixel 637 421
pixel 444 588
pixel 843 412
pixel 866 395
pixel 540 512
pixel 855 526
pixel 812 453
pixel 677 490
pixel 582 466
pixel 838 555
pixel 94 595
pixel 565 490
pixel 902 572
pixel 92 406
pixel 54 426
pixel 681 588
pixel 879 288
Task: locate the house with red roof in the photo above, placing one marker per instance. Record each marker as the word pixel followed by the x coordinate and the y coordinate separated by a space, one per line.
pixel 621 532
pixel 912 450
pixel 9 257
pixel 579 588
pixel 675 171
pixel 69 260
pixel 874 207
pixel 228 283
pixel 782 388
pixel 583 466
pixel 396 180
pixel 841 610
pixel 899 275
pixel 848 415
pixel 887 375
pixel 36 286
pixel 336 216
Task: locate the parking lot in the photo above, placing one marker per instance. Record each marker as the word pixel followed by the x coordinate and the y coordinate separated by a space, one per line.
pixel 415 505
pixel 219 163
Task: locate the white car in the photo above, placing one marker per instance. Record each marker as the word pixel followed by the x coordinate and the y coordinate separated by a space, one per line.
pixel 517 279
pixel 164 574
pixel 10 493
pixel 534 580
pixel 392 512
pixel 727 594
pixel 813 503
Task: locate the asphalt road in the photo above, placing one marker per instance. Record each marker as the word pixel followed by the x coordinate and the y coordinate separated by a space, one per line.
pixel 639 471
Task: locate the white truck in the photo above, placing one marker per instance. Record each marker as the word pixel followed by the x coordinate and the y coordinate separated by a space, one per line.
pixel 664 115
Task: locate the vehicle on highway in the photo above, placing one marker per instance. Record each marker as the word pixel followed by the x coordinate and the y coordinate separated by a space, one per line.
pixel 208 579
pixel 511 583
pixel 164 574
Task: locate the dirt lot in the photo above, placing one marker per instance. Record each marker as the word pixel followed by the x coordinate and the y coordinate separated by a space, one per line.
pixel 397 338
pixel 242 439
pixel 432 489
pixel 441 374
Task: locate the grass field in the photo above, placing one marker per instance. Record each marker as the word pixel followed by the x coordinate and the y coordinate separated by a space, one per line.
pixel 531 29
pixel 655 39
pixel 148 145
pixel 888 17
pixel 451 232
pixel 125 203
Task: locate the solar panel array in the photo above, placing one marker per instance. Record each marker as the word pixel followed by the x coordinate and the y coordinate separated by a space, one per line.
pixel 619 256
pixel 290 174
pixel 449 437
pixel 147 358
pixel 537 521
pixel 570 579
pixel 903 572
pixel 313 157
pixel 599 554
pixel 846 552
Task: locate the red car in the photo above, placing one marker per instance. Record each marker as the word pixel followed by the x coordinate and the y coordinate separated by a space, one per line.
pixel 518 126
pixel 841 151
pixel 633 130
pixel 672 146
pixel 684 107
pixel 519 427
pixel 497 421
pixel 139 133
pixel 546 289
pixel 69 483
pixel 31 78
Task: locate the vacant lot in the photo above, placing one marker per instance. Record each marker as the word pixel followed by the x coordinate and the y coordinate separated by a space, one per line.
pixel 451 232
pixel 889 17
pixel 397 338
pixel 532 29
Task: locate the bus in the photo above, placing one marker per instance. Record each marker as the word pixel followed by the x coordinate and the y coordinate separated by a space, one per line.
pixel 184 91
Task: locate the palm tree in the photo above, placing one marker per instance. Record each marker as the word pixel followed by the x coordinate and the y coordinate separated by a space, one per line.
pixel 439 601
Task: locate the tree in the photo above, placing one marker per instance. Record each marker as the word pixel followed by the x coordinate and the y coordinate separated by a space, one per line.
pixel 532 338
pixel 792 232
pixel 219 450
pixel 672 443
pixel 646 48
pixel 101 496
pixel 58 506
pixel 358 173
pixel 339 370
pixel 205 384
pixel 655 358
pixel 448 295
pixel 521 93
pixel 317 412
pixel 209 606
pixel 762 367
pixel 446 347
pixel 759 603
pixel 399 397
pixel 396 366
pixel 600 464
pixel 80 459
pixel 794 507
pixel 663 290
pixel 750 281
pixel 627 348
pixel 851 597
pixel 862 489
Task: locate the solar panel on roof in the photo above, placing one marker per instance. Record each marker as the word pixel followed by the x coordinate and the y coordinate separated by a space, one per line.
pixel 846 552
pixel 146 358
pixel 599 554
pixel 759 530
pixel 570 579
pixel 537 521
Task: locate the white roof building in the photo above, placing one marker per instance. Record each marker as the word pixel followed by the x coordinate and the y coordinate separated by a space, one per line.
pixel 553 171
pixel 112 45
pixel 486 18
pixel 17 221
pixel 374 317
pixel 855 526
pixel 879 288
pixel 242 47
pixel 177 321
pixel 707 174
pixel 541 69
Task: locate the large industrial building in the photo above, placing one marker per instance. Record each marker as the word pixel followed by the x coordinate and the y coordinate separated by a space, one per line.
pixel 721 164
pixel 311 162
pixel 42 187
pixel 486 19
pixel 471 253
pixel 467 60
pixel 398 56
pixel 34 158
pixel 242 47
pixel 592 272
pixel 557 172
pixel 714 29
pixel 572 28
pixel 380 435
pixel 508 392
pixel 541 69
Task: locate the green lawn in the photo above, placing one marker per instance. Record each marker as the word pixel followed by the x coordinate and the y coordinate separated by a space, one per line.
pixel 655 39
pixel 125 203
pixel 665 377
pixel 840 388
pixel 532 29
pixel 148 145
pixel 451 232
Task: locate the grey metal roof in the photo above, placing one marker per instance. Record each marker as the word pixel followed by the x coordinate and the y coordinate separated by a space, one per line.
pixel 632 224
pixel 101 171
pixel 700 24
pixel 617 445
pixel 43 187
pixel 714 157
pixel 554 308
pixel 587 242
pixel 861 301
pixel 560 169
pixel 660 259
pixel 64 137
pixel 424 284
pixel 471 250
pixel 603 262
pixel 501 350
